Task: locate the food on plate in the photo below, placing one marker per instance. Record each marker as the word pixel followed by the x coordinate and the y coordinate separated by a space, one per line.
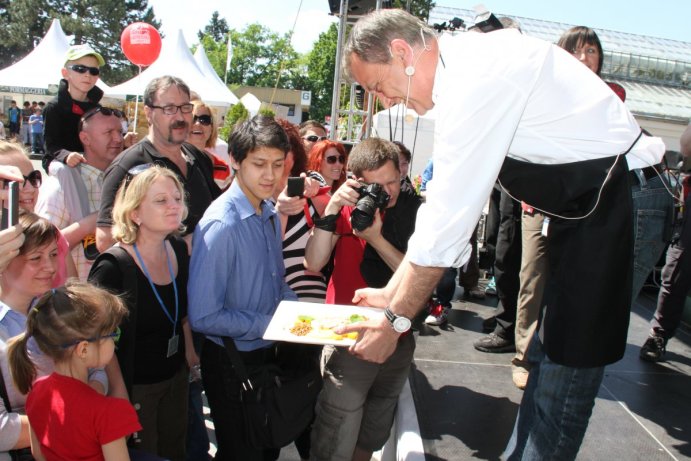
pixel 323 328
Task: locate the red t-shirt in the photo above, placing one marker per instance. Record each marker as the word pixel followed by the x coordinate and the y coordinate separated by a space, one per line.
pixel 71 420
pixel 346 276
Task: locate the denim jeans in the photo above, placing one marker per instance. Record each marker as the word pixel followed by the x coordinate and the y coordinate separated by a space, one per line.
pixel 554 413
pixel 37 143
pixel 652 225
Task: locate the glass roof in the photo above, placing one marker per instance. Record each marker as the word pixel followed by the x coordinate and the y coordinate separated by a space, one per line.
pixel 611 40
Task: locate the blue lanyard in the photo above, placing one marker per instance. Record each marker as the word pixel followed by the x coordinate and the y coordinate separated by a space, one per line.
pixel 153 287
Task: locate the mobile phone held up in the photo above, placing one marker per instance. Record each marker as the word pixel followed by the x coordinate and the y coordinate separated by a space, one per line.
pixel 10 210
pixel 296 186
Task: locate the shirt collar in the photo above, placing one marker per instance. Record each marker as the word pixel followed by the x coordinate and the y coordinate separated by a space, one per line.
pixel 245 208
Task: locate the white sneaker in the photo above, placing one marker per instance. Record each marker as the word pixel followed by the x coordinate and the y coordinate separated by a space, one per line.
pixel 437 315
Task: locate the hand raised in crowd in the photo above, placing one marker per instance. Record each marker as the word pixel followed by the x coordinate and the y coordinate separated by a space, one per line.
pixel 74 159
pixel 12 238
pixel 290 206
pixel 129 140
pixel 346 195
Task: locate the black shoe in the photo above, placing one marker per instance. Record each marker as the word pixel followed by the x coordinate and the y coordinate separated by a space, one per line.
pixel 654 348
pixel 489 324
pixel 494 343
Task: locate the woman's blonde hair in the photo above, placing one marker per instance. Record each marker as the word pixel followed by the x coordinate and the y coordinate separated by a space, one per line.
pixel 62 318
pixel 211 142
pixel 130 196
pixel 8 147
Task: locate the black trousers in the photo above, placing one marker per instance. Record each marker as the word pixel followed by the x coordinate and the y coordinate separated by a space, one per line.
pixel 675 281
pixel 222 388
pixel 507 265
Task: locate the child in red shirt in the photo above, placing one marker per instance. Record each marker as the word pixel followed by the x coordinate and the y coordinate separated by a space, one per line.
pixel 77 326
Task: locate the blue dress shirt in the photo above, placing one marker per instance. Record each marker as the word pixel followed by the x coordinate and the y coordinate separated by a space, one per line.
pixel 236 271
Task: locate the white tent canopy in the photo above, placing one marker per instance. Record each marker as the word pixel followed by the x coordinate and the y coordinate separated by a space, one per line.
pixel 251 103
pixel 207 69
pixel 177 60
pixel 40 69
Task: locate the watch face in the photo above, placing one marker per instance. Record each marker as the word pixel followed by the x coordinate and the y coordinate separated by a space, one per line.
pixel 401 324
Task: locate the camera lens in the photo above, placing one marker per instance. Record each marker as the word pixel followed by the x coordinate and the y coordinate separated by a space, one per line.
pixel 363 214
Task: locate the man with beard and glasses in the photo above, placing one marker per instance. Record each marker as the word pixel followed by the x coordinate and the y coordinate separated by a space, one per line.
pixel 168 110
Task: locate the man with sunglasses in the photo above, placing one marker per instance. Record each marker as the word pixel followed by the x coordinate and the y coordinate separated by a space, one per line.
pixel 77 94
pixel 168 111
pixel 71 201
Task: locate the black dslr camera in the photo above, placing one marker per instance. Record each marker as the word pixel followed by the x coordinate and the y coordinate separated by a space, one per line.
pixel 372 196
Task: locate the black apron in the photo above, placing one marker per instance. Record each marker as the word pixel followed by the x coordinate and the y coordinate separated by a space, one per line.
pixel 587 299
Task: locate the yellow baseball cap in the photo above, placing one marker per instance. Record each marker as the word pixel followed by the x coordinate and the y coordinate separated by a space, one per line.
pixel 79 51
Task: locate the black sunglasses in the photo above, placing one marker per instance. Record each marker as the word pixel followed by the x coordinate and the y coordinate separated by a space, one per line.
pixel 202 119
pixel 332 159
pixel 313 138
pixel 35 178
pixel 107 111
pixel 82 69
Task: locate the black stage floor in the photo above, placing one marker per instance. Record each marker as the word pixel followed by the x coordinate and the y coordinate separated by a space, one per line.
pixel 466 401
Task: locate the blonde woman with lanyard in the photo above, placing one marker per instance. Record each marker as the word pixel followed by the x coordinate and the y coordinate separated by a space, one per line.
pixel 149 267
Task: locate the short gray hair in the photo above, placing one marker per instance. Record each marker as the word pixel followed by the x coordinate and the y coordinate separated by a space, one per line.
pixel 372 34
pixel 163 83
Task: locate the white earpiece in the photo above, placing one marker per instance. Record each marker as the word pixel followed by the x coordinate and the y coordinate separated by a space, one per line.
pixel 410 71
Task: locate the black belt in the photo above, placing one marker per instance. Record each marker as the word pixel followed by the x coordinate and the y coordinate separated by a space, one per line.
pixel 649 172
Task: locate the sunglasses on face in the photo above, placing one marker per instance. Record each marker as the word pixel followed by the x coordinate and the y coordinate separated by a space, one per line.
pixel 313 138
pixel 34 178
pixel 82 69
pixel 202 119
pixel 333 159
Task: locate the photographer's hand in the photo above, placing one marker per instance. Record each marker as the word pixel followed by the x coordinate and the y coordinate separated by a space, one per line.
pixel 11 240
pixel 346 195
pixel 289 206
pixel 372 234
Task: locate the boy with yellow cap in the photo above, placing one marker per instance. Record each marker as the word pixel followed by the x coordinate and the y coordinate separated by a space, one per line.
pixel 77 94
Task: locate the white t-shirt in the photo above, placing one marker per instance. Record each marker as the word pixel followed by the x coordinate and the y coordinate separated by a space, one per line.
pixel 504 92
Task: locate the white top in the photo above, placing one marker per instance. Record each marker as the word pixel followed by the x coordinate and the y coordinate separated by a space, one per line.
pixel 504 92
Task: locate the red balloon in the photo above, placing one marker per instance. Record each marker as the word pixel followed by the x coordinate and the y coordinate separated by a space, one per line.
pixel 141 43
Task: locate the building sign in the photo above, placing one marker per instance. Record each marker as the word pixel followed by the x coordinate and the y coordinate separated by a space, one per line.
pixel 26 90
pixel 306 98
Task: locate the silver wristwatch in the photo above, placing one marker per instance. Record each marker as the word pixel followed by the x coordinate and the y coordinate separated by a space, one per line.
pixel 399 323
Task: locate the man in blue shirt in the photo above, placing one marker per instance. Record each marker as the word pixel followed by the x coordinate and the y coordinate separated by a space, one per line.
pixel 14 119
pixel 237 277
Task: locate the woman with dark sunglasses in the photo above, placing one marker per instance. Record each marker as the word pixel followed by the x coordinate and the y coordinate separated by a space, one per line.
pixel 204 136
pixel 77 94
pixel 13 154
pixel 328 160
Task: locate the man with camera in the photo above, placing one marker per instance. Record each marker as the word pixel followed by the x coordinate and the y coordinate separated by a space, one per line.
pixel 367 224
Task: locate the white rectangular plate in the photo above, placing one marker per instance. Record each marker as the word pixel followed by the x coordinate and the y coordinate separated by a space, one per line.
pixel 287 314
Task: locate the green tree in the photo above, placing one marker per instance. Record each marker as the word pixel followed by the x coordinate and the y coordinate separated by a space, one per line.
pixel 96 22
pixel 321 62
pixel 419 8
pixel 217 29
pixel 257 56
pixel 236 113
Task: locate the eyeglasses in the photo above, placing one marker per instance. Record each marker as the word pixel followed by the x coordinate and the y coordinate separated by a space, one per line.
pixel 107 111
pixel 333 159
pixel 202 119
pixel 173 109
pixel 35 178
pixel 114 335
pixel 82 69
pixel 313 138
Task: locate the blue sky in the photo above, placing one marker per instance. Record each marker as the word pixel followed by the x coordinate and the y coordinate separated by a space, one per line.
pixel 662 18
